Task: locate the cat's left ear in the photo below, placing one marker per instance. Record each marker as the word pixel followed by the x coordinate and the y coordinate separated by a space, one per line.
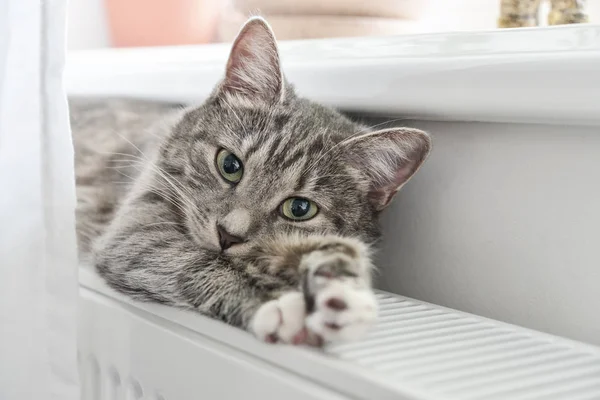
pixel 389 158
pixel 253 69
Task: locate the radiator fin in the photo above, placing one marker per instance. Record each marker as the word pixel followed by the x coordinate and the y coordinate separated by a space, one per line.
pixel 453 355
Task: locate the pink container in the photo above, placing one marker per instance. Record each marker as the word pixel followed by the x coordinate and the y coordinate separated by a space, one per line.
pixel 135 23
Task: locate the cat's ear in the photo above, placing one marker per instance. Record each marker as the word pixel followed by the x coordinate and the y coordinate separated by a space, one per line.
pixel 253 69
pixel 389 158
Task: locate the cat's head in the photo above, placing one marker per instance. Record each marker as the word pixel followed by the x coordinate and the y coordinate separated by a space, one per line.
pixel 255 160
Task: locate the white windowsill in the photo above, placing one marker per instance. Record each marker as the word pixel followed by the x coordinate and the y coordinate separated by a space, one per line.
pixel 524 75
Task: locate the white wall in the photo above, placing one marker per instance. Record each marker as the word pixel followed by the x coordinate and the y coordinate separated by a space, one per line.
pixel 503 221
pixel 87 25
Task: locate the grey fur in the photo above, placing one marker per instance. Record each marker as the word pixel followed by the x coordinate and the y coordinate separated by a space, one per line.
pixel 150 196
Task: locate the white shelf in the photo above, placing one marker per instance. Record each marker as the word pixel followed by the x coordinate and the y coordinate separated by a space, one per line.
pixel 523 75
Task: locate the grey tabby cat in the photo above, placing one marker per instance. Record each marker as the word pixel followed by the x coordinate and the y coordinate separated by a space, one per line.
pixel 258 207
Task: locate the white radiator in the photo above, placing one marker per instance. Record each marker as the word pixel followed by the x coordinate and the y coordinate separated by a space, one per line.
pixel 417 351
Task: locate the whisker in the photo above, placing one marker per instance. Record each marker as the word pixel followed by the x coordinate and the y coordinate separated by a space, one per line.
pixel 179 210
pixel 390 121
pixel 160 223
pixel 169 193
pixel 131 143
pixel 165 175
pixel 181 191
pixel 169 190
pixel 168 196
pixel 108 153
pixel 160 192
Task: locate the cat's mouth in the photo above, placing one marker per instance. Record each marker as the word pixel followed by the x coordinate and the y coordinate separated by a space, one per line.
pixel 221 241
pixel 236 250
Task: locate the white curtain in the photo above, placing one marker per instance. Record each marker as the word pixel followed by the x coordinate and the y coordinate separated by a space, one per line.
pixel 38 260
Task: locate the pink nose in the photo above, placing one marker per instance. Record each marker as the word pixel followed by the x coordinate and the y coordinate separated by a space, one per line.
pixel 226 239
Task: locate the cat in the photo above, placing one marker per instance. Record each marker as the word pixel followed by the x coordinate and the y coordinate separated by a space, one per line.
pixel 258 207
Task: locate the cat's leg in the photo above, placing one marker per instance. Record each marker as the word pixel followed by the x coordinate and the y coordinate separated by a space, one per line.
pixel 335 301
pixel 337 288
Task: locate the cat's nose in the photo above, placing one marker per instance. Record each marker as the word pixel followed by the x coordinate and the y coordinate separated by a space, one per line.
pixel 226 239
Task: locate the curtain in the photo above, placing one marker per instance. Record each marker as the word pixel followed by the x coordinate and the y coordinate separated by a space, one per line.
pixel 38 258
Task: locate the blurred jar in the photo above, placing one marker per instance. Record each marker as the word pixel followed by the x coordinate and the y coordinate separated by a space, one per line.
pixel 567 12
pixel 518 13
pixel 135 23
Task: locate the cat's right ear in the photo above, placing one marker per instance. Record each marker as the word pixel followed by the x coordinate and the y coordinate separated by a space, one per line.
pixel 253 69
pixel 388 158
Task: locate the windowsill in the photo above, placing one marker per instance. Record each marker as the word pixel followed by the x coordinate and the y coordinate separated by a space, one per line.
pixel 523 75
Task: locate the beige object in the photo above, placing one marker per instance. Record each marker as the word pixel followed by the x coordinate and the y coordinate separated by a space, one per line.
pixel 317 27
pixel 407 9
pixel 162 23
pixel 564 12
pixel 518 13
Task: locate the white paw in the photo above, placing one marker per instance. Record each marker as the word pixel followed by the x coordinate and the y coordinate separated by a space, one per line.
pixel 337 303
pixel 344 306
pixel 281 320
pixel 342 313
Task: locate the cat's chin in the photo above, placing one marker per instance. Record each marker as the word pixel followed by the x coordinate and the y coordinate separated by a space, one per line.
pixel 210 247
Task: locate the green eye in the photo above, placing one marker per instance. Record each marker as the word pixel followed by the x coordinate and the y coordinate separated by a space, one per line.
pixel 299 209
pixel 230 167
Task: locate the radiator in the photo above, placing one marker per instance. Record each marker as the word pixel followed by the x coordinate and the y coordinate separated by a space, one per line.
pixel 417 351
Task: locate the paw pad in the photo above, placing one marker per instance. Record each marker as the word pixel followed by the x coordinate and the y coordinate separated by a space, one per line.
pixel 333 326
pixel 336 304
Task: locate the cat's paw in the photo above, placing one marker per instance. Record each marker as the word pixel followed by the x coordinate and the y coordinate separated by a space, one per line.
pixel 281 320
pixel 340 302
pixel 342 313
pixel 336 304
